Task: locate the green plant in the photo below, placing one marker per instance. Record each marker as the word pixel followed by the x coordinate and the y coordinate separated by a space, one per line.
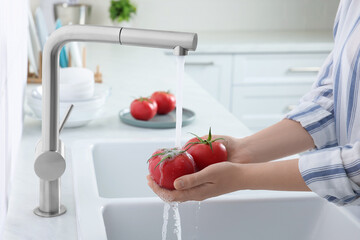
pixel 121 10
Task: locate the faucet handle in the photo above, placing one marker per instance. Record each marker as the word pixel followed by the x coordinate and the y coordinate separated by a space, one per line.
pixel 66 117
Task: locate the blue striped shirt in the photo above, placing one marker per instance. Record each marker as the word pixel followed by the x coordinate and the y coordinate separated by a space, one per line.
pixel 330 112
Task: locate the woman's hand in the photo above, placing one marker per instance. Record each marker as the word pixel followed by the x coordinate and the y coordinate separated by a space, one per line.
pixel 214 180
pixel 235 147
pixel 225 177
pixel 282 139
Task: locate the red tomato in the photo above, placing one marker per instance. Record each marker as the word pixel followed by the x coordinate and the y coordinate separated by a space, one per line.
pixel 143 108
pixel 206 151
pixel 166 165
pixel 166 101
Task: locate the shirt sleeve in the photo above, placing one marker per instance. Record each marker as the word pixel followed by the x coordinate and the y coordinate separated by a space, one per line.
pixel 333 173
pixel 315 111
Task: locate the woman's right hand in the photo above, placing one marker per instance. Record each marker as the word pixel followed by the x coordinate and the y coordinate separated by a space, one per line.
pixel 235 147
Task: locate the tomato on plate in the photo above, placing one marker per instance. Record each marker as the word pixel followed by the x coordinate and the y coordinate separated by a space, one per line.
pixel 143 108
pixel 206 151
pixel 166 165
pixel 165 100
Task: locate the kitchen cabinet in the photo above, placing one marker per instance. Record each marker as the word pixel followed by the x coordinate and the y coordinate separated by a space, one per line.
pixel 258 88
pixel 261 104
pixel 266 86
pixel 213 73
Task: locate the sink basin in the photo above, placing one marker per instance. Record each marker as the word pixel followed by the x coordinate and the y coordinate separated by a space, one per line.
pixel 116 164
pixel 113 201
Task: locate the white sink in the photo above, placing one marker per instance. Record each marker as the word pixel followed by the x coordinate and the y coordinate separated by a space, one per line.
pixel 113 201
pixel 121 168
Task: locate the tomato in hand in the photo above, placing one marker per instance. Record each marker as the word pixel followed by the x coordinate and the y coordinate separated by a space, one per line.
pixel 166 165
pixel 143 108
pixel 206 151
pixel 166 101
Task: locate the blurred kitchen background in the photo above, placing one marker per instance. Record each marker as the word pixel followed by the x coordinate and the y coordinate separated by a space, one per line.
pixel 257 57
pixel 216 15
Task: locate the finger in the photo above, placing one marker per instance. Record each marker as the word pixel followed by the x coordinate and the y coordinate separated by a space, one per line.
pixel 164 194
pixel 223 139
pixel 198 193
pixel 192 180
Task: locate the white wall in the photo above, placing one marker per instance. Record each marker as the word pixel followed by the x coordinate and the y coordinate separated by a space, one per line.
pixel 224 15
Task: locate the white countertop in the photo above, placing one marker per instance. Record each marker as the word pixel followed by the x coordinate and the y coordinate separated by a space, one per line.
pixel 133 72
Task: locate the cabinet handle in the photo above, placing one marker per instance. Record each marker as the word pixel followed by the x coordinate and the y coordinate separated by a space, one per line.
pixel 199 63
pixel 304 69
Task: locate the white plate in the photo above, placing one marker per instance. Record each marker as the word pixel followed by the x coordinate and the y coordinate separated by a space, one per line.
pixel 159 121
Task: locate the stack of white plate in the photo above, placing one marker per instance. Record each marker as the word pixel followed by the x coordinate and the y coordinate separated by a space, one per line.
pixel 77 87
pixel 76 84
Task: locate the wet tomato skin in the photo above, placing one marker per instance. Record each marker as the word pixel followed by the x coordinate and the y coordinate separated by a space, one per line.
pixel 170 169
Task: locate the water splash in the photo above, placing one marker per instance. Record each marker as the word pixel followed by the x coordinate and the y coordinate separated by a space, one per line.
pixel 161 167
pixel 165 220
pixel 197 220
pixel 174 224
pixel 177 224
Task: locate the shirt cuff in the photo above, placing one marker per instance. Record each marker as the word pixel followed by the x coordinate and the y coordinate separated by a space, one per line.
pixel 317 121
pixel 324 173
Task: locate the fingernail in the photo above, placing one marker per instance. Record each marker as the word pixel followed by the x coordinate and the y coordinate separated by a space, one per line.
pixel 179 184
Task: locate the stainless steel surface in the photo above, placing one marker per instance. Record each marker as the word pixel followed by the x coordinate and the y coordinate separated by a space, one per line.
pixel 50 165
pixel 179 51
pixel 50 161
pixel 40 213
pixel 304 69
pixel 158 39
pixel 72 13
pixel 50 199
pixel 67 115
pixel 50 116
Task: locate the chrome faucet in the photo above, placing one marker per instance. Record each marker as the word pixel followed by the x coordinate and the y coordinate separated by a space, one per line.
pixel 50 151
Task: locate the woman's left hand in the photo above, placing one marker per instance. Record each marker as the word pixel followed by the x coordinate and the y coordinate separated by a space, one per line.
pixel 214 180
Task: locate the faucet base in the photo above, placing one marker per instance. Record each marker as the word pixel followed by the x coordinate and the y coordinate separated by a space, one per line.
pixel 40 213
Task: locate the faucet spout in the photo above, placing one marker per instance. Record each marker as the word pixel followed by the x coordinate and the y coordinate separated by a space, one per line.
pixel 50 161
pixel 159 39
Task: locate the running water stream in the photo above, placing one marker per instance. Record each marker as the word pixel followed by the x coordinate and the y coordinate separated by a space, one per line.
pixel 180 68
pixel 174 206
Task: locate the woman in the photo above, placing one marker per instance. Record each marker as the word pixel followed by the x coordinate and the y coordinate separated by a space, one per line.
pixel 327 122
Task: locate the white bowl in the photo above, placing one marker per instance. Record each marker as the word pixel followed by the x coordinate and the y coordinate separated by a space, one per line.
pixel 99 96
pixel 84 110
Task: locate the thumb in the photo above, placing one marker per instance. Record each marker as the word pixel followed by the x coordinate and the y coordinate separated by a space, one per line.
pixel 191 180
